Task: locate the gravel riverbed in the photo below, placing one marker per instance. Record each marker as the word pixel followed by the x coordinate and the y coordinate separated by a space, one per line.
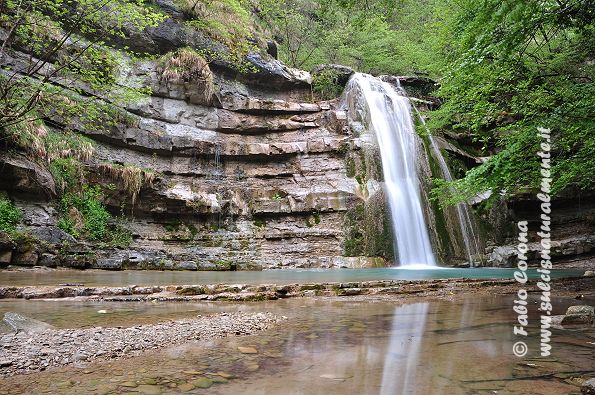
pixel 30 352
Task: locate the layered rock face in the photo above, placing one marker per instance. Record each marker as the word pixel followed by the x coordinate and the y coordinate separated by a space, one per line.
pixel 257 175
pixel 255 178
pixel 572 230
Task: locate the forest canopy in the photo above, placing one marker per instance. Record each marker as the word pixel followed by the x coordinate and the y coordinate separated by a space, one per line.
pixel 504 69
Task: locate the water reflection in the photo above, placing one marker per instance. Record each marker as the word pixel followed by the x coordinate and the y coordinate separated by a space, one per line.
pixel 401 362
pixel 343 347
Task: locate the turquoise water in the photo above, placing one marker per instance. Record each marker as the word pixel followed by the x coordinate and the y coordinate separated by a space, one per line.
pixel 134 277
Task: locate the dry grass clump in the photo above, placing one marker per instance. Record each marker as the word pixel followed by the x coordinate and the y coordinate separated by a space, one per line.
pixel 188 66
pixel 130 177
pixel 48 145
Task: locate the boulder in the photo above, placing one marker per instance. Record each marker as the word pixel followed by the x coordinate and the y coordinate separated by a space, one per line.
pixel 22 175
pixel 582 314
pixel 343 73
pixel 52 235
pixel 276 75
pixel 21 323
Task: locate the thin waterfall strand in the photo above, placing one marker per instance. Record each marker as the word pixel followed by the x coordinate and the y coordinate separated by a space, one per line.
pixel 470 239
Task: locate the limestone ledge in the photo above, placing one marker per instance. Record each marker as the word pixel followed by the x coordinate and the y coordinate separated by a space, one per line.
pixel 575 246
pixel 177 139
pixel 242 292
pixel 323 165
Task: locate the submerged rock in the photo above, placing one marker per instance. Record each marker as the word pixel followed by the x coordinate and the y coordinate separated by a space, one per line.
pixel 21 323
pixel 247 350
pixel 588 387
pixel 203 382
pixel 582 314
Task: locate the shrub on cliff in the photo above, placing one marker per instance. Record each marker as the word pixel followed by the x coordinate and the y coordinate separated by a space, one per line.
pixel 325 85
pixel 10 215
pixel 227 21
pixel 83 214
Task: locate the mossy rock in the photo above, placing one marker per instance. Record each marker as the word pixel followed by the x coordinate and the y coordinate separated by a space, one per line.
pixel 195 290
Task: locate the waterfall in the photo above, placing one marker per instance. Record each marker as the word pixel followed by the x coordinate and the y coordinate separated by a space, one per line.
pixel 386 112
pixel 470 239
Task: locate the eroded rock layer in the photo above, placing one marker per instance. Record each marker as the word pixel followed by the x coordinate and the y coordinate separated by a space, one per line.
pixel 254 178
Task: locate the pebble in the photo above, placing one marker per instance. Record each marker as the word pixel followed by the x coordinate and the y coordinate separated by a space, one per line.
pixel 149 389
pixel 185 387
pixel 203 382
pixel 248 350
pixel 225 375
pixel 21 353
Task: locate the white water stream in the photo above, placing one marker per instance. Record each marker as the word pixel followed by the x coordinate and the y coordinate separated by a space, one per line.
pixel 468 234
pixel 388 114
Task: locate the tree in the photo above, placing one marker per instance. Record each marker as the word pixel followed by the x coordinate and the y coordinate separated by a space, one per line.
pixel 376 36
pixel 54 49
pixel 295 25
pixel 514 67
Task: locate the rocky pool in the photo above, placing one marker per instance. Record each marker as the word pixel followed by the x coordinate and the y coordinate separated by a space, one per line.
pixel 138 277
pixel 325 346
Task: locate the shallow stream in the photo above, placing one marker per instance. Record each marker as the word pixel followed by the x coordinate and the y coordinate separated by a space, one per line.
pixel 138 277
pixel 326 346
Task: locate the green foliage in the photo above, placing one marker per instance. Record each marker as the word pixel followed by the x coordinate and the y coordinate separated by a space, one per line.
pixel 260 223
pixel 96 65
pixel 10 215
pixel 227 21
pixel 66 41
pixel 313 220
pixel 326 85
pixel 353 245
pixel 83 214
pixel 374 36
pixel 67 173
pixel 511 68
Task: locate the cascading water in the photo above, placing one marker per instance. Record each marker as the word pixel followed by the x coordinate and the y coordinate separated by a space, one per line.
pixel 388 114
pixel 470 239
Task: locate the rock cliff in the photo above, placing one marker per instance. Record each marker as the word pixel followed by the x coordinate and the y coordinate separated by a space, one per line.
pixel 252 174
pixel 252 177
